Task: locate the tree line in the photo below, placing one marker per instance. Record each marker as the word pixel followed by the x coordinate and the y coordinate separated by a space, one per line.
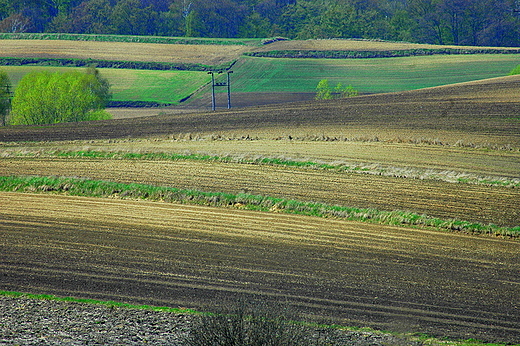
pixel 458 22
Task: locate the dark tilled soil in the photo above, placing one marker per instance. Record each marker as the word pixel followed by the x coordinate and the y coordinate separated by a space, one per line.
pixel 344 272
pixel 46 322
pixel 453 108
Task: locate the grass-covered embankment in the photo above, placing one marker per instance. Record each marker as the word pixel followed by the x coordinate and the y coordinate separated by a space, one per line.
pixel 352 168
pixel 97 188
pixel 135 65
pixel 360 54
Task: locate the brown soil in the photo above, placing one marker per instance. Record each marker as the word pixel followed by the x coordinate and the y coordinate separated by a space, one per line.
pixel 475 203
pixel 392 278
pixel 355 45
pixel 454 109
pixel 191 256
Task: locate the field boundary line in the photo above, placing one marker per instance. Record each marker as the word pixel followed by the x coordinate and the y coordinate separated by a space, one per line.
pixel 449 176
pixel 106 189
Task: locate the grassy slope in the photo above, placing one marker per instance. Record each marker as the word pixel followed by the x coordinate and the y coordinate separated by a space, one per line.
pixel 367 75
pixel 134 85
pixel 254 75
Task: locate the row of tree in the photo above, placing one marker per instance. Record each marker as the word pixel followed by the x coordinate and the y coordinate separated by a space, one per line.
pixel 459 22
pixel 47 98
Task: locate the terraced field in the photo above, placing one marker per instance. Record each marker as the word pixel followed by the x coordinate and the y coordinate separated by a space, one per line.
pixel 448 152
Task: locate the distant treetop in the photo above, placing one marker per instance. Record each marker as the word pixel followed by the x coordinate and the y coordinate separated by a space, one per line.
pixel 457 22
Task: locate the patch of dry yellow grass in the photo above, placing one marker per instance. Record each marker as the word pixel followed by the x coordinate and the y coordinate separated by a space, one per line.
pixel 122 51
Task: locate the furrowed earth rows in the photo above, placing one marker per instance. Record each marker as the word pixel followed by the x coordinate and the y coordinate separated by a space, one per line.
pixel 474 203
pixel 164 254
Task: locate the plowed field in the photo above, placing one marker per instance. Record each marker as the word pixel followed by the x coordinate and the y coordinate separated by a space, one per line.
pixel 348 272
pixel 452 113
pixel 467 202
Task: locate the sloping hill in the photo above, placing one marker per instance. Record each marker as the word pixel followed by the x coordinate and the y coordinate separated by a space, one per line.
pixel 208 54
pixel 486 112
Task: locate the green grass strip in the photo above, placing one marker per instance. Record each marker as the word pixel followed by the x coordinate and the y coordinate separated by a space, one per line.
pixel 134 65
pixel 99 188
pixel 109 303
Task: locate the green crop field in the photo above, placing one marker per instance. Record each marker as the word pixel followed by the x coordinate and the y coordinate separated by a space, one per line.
pixel 367 75
pixel 134 85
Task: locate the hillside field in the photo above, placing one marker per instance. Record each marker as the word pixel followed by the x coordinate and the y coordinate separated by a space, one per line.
pixel 278 78
pixel 133 85
pixel 431 178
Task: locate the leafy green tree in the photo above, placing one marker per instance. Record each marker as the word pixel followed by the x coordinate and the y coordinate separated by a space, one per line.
pixel 5 97
pixel 344 92
pixel 129 17
pixel 514 71
pixel 46 98
pixel 255 26
pixel 324 92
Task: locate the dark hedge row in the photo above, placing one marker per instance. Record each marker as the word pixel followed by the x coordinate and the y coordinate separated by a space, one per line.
pixel 137 104
pixel 136 65
pixel 126 38
pixel 336 54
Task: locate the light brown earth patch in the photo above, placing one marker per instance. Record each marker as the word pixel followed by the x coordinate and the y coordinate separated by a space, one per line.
pixel 358 45
pixel 122 51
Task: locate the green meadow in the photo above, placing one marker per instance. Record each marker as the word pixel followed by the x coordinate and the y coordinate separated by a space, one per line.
pixel 134 85
pixel 293 75
pixel 373 75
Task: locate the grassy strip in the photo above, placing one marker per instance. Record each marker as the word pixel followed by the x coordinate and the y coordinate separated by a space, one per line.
pixel 278 162
pixel 130 39
pixel 134 65
pixel 98 188
pixel 194 157
pixel 341 54
pixel 97 302
pixel 419 337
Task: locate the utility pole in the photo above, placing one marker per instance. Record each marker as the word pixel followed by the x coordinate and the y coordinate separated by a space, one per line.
pixel 213 105
pixel 8 95
pixel 228 90
pixel 220 84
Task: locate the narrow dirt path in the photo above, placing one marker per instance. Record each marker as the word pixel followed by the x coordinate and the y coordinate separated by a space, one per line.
pixel 179 255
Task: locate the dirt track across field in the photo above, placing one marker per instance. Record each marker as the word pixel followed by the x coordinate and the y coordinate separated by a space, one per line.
pixel 193 256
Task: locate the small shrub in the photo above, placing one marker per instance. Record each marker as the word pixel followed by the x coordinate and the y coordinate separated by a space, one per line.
pixel 324 92
pixel 252 324
pixel 514 71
